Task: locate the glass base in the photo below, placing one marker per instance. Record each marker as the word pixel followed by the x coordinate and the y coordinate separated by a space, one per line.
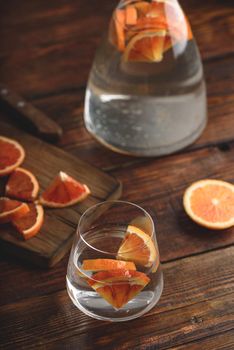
pixel 157 151
pixel 99 302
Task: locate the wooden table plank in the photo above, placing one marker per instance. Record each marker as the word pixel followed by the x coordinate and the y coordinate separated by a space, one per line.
pixel 175 327
pixel 179 297
pixel 43 50
pixel 159 185
pixel 36 281
pixel 222 341
pixel 67 110
pixel 57 233
pixel 46 52
pixel 63 22
pixel 220 128
pixel 178 236
pixel 212 23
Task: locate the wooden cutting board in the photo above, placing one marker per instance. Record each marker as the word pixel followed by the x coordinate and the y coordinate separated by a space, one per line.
pixel 59 227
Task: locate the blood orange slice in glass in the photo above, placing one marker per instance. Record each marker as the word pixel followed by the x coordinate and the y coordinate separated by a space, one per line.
pixel 137 246
pixel 118 287
pixel 106 265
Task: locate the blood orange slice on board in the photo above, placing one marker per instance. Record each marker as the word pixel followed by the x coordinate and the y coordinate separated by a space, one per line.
pixel 137 246
pixel 12 155
pixel 30 224
pixel 118 287
pixel 11 209
pixel 23 185
pixel 63 192
pixel 210 203
pixel 106 265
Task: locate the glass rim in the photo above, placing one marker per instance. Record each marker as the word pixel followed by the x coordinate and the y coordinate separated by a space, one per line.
pixel 112 202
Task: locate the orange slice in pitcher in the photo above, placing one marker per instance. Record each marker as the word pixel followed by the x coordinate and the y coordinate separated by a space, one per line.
pixel 147 46
pixel 155 16
pixel 137 246
pixel 142 8
pixel 210 203
pixel 106 265
pixel 119 24
pixel 23 185
pixel 137 29
pixel 118 287
pixel 130 15
pixel 168 16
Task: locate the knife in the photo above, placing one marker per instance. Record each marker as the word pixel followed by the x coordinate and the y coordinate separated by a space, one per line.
pixel 25 112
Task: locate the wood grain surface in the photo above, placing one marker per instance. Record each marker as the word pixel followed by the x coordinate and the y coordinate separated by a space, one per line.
pixel 187 304
pixel 28 115
pixel 46 51
pixel 59 227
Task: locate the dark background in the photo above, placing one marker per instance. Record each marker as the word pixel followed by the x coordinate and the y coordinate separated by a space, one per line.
pixel 46 51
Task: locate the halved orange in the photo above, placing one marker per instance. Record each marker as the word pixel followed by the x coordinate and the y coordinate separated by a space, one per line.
pixel 210 203
pixel 147 46
pixel 12 155
pixel 106 265
pixel 63 192
pixel 11 209
pixel 23 185
pixel 30 224
pixel 118 287
pixel 137 246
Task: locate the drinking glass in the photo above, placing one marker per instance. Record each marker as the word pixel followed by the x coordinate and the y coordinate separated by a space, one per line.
pixel 114 271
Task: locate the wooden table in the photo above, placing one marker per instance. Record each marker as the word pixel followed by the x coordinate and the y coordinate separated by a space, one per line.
pixel 46 50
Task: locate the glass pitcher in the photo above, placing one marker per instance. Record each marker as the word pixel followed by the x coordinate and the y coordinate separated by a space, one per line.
pixel 146 94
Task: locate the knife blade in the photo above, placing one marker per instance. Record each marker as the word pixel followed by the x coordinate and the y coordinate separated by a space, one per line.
pixel 30 116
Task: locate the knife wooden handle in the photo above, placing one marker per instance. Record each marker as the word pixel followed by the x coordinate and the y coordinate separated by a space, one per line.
pixel 25 112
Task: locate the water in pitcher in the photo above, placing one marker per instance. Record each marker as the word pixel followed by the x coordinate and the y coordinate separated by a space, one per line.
pixel 146 93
